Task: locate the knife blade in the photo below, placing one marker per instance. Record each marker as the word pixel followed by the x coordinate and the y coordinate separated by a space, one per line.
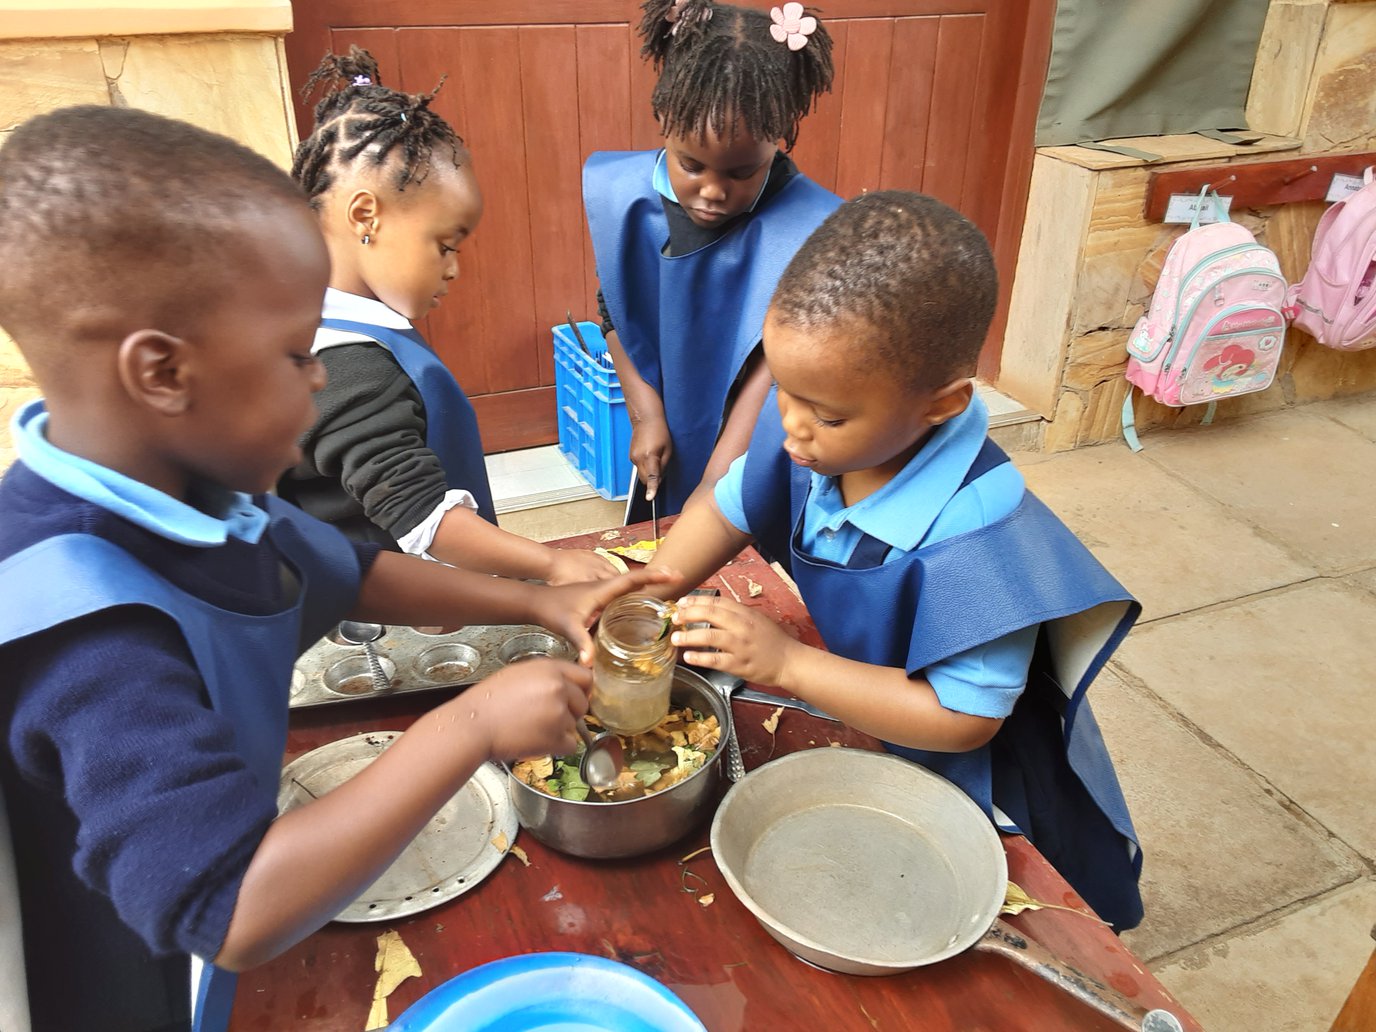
pixel 654 517
pixel 577 333
pixel 755 695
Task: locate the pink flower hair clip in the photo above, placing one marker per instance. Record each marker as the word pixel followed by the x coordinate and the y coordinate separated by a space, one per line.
pixel 362 80
pixel 676 12
pixel 791 25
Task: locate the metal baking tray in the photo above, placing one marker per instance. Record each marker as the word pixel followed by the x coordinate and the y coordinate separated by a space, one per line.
pixel 463 843
pixel 333 671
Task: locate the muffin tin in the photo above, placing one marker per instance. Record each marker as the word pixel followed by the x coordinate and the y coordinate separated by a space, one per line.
pixel 415 660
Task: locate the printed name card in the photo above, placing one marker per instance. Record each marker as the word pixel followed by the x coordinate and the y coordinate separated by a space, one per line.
pixel 1181 208
pixel 1342 187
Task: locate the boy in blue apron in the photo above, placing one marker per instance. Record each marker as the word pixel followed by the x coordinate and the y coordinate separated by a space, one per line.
pixel 164 283
pixel 396 456
pixel 690 239
pixel 963 621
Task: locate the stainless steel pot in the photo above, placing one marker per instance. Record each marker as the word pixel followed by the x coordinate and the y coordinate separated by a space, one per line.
pixel 864 863
pixel 635 826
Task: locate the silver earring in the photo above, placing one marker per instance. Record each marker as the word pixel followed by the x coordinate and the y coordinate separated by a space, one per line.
pixel 366 238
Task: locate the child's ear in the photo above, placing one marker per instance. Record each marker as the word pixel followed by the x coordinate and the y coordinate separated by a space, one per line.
pixel 363 211
pixel 152 367
pixel 950 401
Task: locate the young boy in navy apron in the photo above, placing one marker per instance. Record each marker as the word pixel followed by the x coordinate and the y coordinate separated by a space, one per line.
pixel 690 239
pixel 964 621
pixel 396 456
pixel 164 284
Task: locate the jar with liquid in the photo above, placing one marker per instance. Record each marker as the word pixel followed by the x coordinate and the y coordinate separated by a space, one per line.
pixel 633 668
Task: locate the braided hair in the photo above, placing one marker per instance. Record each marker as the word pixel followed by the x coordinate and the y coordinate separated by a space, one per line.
pixel 359 119
pixel 718 63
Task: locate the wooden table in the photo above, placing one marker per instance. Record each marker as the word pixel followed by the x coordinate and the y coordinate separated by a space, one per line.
pixel 716 958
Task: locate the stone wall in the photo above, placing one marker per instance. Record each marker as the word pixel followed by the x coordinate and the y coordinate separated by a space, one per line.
pixel 232 82
pixel 1089 260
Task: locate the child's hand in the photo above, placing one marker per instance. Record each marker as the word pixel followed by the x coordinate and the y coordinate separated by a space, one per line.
pixel 571 609
pixel 577 566
pixel 528 709
pixel 747 643
pixel 651 447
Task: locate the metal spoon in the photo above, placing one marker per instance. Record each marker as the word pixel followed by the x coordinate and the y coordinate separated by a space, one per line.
pixel 602 759
pixel 365 634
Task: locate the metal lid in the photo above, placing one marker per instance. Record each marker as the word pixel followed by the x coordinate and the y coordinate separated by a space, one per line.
pixel 453 853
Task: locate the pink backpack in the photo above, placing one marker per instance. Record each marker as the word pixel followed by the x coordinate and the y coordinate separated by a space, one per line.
pixel 1335 301
pixel 1215 326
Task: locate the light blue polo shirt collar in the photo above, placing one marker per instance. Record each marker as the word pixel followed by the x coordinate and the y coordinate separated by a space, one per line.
pixel 136 502
pixel 665 188
pixel 894 514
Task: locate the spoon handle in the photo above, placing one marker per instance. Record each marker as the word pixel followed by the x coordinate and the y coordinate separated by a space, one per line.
pixel 735 766
pixel 380 680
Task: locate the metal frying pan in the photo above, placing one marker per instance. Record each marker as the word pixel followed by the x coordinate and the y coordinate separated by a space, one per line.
pixel 864 863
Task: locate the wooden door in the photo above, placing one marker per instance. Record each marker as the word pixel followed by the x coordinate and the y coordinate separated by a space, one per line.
pixel 933 95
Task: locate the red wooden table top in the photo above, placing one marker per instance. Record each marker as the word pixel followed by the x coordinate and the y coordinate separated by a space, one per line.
pixel 718 958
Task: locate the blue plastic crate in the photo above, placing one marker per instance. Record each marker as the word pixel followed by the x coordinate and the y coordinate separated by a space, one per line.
pixel 594 426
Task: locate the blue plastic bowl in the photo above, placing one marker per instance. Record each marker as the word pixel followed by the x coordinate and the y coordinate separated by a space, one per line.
pixel 550 992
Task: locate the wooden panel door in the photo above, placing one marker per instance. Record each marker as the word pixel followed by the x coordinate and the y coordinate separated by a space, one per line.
pixel 933 95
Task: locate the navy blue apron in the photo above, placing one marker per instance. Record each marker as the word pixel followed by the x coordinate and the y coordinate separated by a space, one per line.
pixel 689 322
pixel 1047 768
pixel 451 425
pixel 246 661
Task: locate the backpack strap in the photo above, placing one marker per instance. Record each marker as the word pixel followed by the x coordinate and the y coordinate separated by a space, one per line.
pixel 1130 423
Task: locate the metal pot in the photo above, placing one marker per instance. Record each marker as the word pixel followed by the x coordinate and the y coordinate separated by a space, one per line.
pixel 864 863
pixel 598 830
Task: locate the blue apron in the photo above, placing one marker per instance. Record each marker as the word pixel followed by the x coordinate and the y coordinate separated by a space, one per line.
pixel 689 322
pixel 451 425
pixel 1047 768
pixel 246 661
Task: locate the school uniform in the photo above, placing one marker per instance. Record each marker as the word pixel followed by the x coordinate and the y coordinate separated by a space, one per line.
pixel 954 572
pixel 148 646
pixel 397 443
pixel 688 303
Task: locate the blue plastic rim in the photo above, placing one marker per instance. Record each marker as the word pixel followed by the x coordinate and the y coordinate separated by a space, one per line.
pixel 550 992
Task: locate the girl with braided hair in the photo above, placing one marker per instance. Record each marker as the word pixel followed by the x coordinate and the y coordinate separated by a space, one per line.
pixel 396 457
pixel 691 239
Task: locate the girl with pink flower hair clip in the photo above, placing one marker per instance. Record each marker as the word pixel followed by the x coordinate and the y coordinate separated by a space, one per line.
pixel 691 238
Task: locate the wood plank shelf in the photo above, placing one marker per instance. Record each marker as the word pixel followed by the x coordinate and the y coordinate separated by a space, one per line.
pixel 1254 185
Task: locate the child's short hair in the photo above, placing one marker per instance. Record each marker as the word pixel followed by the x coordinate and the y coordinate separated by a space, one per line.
pixel 917 275
pixel 359 120
pixel 719 63
pixel 103 209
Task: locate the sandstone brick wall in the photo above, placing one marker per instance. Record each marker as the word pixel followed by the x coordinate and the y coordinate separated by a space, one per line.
pixel 1089 260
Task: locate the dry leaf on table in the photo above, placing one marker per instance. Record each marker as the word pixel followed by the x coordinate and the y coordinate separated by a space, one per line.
pixel 1015 901
pixel 638 551
pixel 771 722
pixel 520 854
pixel 611 535
pixel 617 562
pixel 756 590
pixel 394 965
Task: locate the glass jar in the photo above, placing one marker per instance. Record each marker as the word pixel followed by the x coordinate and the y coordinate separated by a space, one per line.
pixel 633 667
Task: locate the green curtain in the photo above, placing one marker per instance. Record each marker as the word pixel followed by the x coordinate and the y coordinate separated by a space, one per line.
pixel 1148 67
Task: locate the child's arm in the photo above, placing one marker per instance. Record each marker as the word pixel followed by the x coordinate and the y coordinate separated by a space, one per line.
pixel 466 540
pixel 881 701
pixel 740 424
pixel 700 543
pixel 520 711
pixel 401 589
pixel 651 444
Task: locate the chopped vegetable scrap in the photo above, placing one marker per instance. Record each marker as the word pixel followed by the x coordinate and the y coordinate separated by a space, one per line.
pixel 707 899
pixel 617 562
pixel 500 843
pixel 657 759
pixel 638 551
pixel 394 965
pixel 771 722
pixel 756 590
pixel 520 854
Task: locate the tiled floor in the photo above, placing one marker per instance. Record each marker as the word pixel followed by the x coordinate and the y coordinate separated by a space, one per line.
pixel 1242 710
